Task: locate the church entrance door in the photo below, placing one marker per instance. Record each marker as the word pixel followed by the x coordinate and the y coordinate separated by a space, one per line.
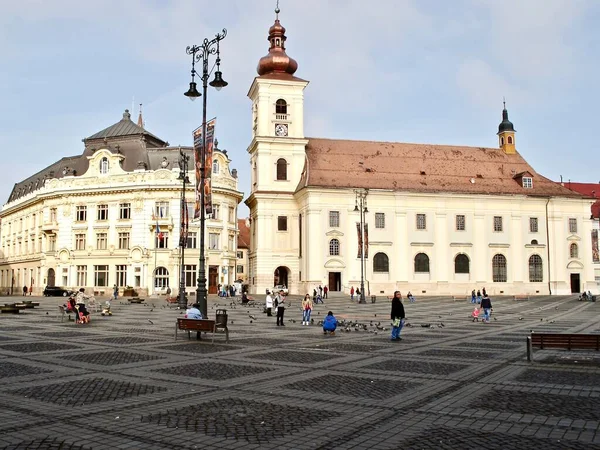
pixel 213 278
pixel 335 281
pixel 575 285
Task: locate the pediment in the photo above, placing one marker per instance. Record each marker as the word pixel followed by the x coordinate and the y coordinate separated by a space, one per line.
pixel 573 238
pixel 574 265
pixel 334 233
pixel 335 264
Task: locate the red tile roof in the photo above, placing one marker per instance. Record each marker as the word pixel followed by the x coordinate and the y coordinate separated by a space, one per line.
pixel 426 168
pixel 244 234
pixel 588 190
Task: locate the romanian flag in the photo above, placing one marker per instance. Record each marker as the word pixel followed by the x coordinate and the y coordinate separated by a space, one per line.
pixel 158 232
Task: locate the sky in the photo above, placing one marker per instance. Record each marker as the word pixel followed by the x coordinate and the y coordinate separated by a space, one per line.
pixel 422 71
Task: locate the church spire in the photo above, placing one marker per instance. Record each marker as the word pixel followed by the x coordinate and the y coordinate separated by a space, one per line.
pixel 506 133
pixel 277 61
pixel 140 122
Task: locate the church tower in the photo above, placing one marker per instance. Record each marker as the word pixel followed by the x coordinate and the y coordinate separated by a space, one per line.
pixel 277 157
pixel 506 134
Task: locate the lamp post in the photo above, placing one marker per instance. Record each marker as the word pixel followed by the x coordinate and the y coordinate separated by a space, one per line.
pixel 183 166
pixel 202 53
pixel 360 206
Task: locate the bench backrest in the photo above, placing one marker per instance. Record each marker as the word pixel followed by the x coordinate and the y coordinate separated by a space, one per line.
pixel 195 324
pixel 557 340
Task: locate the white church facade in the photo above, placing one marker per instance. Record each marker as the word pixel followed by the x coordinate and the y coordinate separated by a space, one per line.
pixel 438 219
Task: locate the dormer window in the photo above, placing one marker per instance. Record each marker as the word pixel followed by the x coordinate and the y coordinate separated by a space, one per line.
pixel 104 165
pixel 527 182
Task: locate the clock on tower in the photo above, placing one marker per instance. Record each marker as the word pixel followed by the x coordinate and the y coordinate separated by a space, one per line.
pixel 281 129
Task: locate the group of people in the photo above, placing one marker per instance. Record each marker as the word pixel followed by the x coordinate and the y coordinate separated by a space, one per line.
pixel 485 305
pixel 278 302
pixel 476 297
pixel 226 291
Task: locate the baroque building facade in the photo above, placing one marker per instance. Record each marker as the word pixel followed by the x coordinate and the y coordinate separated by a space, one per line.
pixel 439 219
pixel 112 216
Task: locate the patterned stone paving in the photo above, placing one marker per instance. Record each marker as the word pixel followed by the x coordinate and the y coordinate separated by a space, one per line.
pixel 125 383
pixel 252 421
pixel 86 391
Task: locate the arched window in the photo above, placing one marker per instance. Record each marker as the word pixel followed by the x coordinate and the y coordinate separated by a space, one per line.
pixel 536 274
pixel 502 141
pixel 461 263
pixel 381 263
pixel 499 269
pixel 281 169
pixel 574 250
pixel 161 278
pixel 104 165
pixel 421 263
pixel 281 106
pixel 215 168
pixel 534 242
pixel 334 247
pixel 510 139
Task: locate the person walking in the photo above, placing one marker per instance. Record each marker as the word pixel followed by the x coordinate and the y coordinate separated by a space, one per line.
pixel 279 299
pixel 268 303
pixel 115 292
pixel 478 297
pixel 307 306
pixel 486 305
pixel 484 292
pixel 397 316
pixel 325 291
pixel 352 293
pixel 321 291
pixel 24 291
pixel 473 298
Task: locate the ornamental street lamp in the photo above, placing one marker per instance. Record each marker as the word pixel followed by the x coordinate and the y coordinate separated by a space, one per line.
pixel 202 53
pixel 183 228
pixel 360 205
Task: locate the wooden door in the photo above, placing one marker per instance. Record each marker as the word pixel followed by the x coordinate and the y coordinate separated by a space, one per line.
pixel 213 279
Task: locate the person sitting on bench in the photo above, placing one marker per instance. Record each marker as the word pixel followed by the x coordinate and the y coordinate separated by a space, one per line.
pixel 194 313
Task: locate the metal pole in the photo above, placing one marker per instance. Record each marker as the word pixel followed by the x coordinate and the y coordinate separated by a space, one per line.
pixel 362 251
pixel 182 243
pixel 201 294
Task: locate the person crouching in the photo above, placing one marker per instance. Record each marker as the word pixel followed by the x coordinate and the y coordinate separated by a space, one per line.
pixel 329 324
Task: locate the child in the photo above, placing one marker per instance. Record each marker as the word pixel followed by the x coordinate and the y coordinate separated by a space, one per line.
pixel 329 324
pixel 475 314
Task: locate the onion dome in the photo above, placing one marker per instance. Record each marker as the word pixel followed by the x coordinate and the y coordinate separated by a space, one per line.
pixel 505 125
pixel 277 61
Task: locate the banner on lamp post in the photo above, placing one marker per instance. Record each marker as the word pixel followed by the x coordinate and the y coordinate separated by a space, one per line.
pixel 206 165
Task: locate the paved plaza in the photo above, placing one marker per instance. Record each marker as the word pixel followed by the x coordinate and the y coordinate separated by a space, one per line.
pixel 124 382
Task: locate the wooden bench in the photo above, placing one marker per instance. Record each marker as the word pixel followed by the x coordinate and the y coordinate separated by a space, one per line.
pixel 200 325
pixel 521 297
pixel 545 341
pixel 31 304
pixel 171 300
pixel 11 308
pixel 135 300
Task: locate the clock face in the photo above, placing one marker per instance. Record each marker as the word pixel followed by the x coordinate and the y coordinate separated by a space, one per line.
pixel 281 129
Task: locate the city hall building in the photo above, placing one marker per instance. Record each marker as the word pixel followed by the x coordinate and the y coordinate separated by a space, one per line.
pixel 438 219
pixel 112 215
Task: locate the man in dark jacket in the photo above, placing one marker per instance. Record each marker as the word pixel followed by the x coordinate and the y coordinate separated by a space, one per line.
pixel 486 305
pixel 397 316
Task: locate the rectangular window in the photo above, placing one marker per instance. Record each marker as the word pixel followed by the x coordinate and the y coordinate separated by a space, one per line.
pixel 213 241
pixel 81 213
pixel 192 240
pixel 498 224
pixel 190 210
pixel 102 212
pixel 124 240
pixel 125 211
pixel 53 215
pixel 52 243
pixel 80 241
pixel 161 240
pixel 572 225
pixel 81 276
pixel 240 255
pixel 527 182
pixel 101 276
pixel 137 278
pixel 533 225
pixel 230 244
pixel 121 275
pixel 281 223
pixel 334 219
pixel 101 241
pixel 379 220
pixel 231 214
pixel 240 269
pixel 460 222
pixel 190 275
pixel 421 222
pixel 161 209
pixel 215 213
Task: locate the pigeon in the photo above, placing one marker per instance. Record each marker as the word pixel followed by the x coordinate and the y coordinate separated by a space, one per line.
pixel 150 322
pixel 442 325
pixel 425 325
pixel 252 317
pixel 495 318
pixel 520 318
pixel 250 321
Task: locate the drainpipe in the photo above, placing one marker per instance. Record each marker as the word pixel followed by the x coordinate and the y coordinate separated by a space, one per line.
pixel 548 248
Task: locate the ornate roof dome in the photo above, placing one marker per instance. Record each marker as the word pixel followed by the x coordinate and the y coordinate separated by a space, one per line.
pixel 277 61
pixel 505 125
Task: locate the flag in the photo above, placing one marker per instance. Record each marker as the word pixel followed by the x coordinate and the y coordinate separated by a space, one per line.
pixel 205 165
pixel 159 233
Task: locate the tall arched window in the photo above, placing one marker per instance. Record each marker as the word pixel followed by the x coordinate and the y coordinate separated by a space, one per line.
pixel 161 278
pixel 574 250
pixel 281 169
pixel 510 139
pixel 334 247
pixel 421 263
pixel 104 165
pixel 381 263
pixel 281 106
pixel 461 263
pixel 215 168
pixel 499 269
pixel 536 274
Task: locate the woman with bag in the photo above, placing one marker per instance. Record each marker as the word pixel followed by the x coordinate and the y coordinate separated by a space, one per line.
pixel 307 306
pixel 397 316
